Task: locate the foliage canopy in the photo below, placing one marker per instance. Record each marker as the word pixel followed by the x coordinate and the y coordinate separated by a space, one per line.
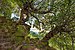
pixel 55 16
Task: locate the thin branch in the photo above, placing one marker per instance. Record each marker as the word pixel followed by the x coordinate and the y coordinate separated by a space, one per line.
pixel 37 19
pixel 18 48
pixel 42 12
pixel 53 32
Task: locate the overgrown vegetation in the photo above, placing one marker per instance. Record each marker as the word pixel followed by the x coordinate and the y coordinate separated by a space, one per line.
pixel 55 20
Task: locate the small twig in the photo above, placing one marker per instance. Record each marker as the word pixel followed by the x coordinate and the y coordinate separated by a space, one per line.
pixel 18 48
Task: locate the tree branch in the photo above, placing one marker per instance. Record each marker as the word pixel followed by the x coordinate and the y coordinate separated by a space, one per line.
pixel 53 32
pixel 37 19
pixel 18 48
pixel 41 12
